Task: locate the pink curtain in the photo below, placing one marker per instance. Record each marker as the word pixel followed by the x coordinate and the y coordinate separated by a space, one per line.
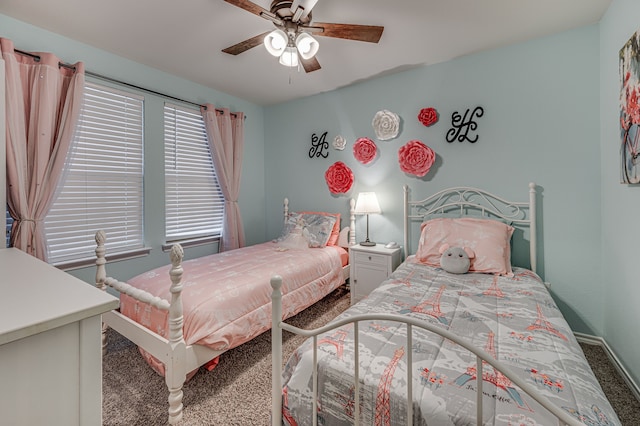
pixel 225 132
pixel 43 104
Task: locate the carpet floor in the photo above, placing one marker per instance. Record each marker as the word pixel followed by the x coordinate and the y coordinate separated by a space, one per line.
pixel 238 390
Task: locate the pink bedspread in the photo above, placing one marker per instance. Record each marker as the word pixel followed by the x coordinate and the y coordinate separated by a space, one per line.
pixel 227 296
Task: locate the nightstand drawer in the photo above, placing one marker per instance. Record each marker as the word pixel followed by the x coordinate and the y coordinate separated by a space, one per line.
pixel 371 259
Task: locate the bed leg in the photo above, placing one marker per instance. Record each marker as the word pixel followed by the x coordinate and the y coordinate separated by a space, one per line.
pixel 101 275
pixel 276 351
pixel 175 405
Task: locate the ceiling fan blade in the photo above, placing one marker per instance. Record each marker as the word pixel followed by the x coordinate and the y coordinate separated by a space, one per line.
pixel 255 9
pixel 243 46
pixel 310 65
pixel 368 33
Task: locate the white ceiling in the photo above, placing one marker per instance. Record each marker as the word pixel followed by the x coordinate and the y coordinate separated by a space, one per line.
pixel 185 37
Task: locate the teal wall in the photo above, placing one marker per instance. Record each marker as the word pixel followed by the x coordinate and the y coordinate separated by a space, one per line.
pixel 29 38
pixel 541 124
pixel 620 203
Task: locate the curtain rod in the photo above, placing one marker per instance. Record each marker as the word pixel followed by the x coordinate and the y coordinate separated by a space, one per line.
pixel 113 80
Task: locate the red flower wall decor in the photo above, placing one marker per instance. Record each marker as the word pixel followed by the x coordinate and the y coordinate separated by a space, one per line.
pixel 339 178
pixel 428 116
pixel 416 158
pixel 364 149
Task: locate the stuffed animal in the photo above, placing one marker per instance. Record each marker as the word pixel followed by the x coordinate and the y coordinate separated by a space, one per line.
pixel 456 260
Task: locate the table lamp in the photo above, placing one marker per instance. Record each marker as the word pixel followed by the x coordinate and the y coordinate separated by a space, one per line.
pixel 367 203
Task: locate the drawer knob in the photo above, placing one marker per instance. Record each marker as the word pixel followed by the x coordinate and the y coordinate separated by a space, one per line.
pixel 369 257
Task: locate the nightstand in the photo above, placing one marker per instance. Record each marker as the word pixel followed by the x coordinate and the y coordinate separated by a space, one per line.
pixel 369 266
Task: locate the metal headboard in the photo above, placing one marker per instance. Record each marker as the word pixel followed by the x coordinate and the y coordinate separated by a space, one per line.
pixel 467 201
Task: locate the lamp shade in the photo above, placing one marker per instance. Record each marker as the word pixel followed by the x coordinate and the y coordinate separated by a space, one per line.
pixel 367 203
pixel 289 57
pixel 276 42
pixel 307 45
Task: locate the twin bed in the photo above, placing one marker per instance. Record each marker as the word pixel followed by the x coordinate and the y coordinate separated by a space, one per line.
pixel 185 316
pixel 429 347
pixel 487 347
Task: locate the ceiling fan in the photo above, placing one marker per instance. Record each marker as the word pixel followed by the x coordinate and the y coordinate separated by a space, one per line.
pixel 292 40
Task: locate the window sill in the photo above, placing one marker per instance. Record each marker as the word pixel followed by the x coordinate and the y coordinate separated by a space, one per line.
pixel 83 263
pixel 190 243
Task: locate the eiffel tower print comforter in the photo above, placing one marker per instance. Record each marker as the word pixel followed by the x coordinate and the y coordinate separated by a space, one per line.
pixel 513 318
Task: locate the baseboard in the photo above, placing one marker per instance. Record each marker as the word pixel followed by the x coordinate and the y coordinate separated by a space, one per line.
pixel 594 340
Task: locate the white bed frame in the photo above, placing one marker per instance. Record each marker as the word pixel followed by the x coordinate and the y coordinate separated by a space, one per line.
pixel 460 199
pixel 178 357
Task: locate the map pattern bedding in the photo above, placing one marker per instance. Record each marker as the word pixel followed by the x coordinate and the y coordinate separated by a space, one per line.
pixel 227 296
pixel 513 318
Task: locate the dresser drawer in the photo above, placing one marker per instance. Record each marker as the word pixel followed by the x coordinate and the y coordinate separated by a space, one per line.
pixel 371 259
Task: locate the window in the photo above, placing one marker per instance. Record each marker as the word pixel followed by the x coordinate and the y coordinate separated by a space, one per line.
pixel 101 187
pixel 193 198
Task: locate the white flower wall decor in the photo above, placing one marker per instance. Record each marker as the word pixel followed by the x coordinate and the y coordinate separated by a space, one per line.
pixel 386 124
pixel 339 142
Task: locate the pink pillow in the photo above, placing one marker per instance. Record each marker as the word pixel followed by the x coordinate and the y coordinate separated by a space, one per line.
pixel 489 239
pixel 335 231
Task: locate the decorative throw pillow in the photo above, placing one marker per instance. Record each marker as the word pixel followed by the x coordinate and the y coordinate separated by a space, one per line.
pixel 316 228
pixel 295 239
pixel 489 239
pixel 289 225
pixel 335 232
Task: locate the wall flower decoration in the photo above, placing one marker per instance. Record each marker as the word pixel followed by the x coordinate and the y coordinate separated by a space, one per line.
pixel 428 116
pixel 386 124
pixel 416 158
pixel 339 142
pixel 339 178
pixel 365 150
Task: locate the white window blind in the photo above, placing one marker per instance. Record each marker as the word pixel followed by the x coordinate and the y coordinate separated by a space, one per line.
pixel 194 200
pixel 102 186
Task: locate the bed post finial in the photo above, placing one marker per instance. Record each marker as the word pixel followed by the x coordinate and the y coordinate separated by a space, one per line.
pixel 101 275
pixel 352 222
pixel 286 210
pixel 405 191
pixel 176 255
pixel 276 351
pixel 533 237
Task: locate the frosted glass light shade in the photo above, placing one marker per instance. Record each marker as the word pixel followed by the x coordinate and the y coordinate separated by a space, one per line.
pixel 367 203
pixel 276 42
pixel 289 57
pixel 307 45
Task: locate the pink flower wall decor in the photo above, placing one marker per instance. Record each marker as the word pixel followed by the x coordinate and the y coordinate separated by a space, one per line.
pixel 416 158
pixel 339 178
pixel 428 116
pixel 365 150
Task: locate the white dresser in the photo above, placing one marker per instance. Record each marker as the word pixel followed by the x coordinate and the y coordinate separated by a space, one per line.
pixel 50 344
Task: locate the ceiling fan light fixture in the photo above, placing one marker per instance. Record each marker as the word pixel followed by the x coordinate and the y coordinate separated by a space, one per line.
pixel 276 42
pixel 307 45
pixel 289 57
